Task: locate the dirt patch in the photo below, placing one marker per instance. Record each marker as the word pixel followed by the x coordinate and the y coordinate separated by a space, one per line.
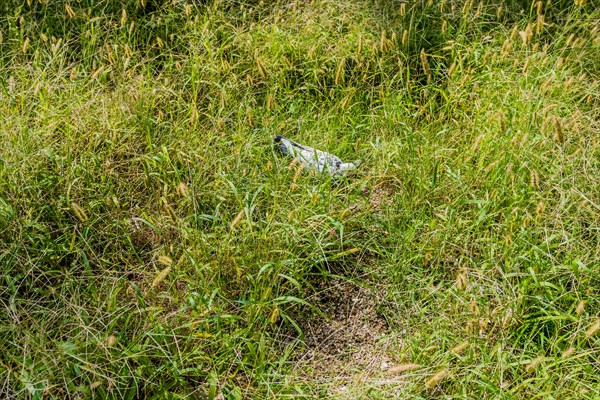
pixel 351 338
pixel 143 237
pixel 381 197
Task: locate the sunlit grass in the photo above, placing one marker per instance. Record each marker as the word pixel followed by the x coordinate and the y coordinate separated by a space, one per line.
pixel 152 243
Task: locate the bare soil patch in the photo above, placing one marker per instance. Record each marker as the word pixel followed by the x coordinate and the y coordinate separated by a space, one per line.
pixel 350 341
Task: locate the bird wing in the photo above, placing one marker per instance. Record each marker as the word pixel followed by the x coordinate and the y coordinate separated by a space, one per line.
pixel 317 159
pixel 303 153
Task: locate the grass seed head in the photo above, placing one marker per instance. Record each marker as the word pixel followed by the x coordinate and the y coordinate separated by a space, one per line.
pixel 526 66
pixel 70 13
pixel 483 326
pixel 250 116
pixel 469 327
pixel 462 279
pixel 478 11
pixel 399 369
pixel 298 173
pixel 559 134
pixel 580 307
pixel 312 52
pixel 514 33
pixel 182 189
pixel 79 212
pixel 539 25
pixel 539 210
pixel 25 46
pixel 534 364
pixel 274 315
pixel 425 64
pixel 292 164
pixel 524 37
pixel 339 73
pixel 569 82
pixel 55 46
pixel 534 179
pixel 529 32
pixel 524 138
pixel 451 69
pixel 270 101
pixel 97 72
pixel 436 378
pixel 474 307
pixel 238 218
pixel 346 101
pixel 460 348
pixel 568 352
pixel 111 341
pixel 315 197
pixel 261 69
pixel 507 318
pixel 502 119
pixel 165 260
pixel 160 276
pixel 593 329
pixel 169 211
pixel 546 85
pixel 123 20
pixel 466 9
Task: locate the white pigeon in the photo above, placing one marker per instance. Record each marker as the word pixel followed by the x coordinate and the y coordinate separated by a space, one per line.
pixel 313 158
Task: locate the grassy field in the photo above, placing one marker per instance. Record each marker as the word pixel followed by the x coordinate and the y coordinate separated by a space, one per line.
pixel 153 244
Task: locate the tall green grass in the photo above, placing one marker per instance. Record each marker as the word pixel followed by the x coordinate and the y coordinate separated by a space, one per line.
pixel 152 244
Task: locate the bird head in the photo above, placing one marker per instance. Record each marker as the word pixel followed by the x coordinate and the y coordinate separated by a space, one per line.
pixel 278 141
